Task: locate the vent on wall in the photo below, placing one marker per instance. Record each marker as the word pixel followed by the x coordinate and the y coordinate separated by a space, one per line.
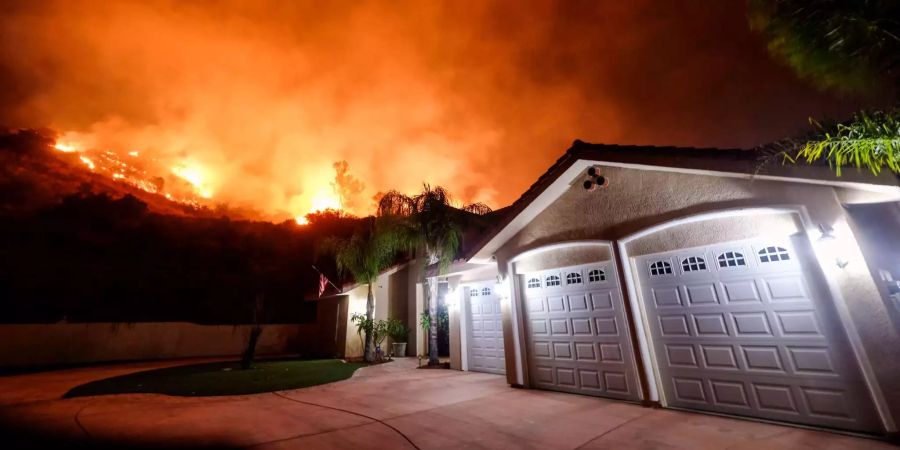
pixel 595 180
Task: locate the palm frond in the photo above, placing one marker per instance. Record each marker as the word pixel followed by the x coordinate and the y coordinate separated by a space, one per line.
pixel 477 208
pixel 397 204
pixel 371 249
pixel 870 140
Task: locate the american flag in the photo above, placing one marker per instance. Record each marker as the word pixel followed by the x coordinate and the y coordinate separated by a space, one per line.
pixel 323 283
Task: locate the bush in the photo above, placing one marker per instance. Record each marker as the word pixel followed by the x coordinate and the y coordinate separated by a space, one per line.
pixel 397 330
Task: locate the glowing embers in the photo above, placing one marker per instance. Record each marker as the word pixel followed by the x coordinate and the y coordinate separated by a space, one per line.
pixel 87 162
pixel 126 169
pixel 65 148
pixel 196 177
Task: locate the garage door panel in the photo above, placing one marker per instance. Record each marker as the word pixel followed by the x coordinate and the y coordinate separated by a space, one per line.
pixel 606 326
pixel 602 300
pixel 740 291
pixel 702 294
pixel 585 352
pixel 770 395
pixel 740 328
pixel 667 296
pixel 577 341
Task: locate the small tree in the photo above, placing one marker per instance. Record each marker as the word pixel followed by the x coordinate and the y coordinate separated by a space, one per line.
pixel 377 329
pixel 370 250
pixel 255 332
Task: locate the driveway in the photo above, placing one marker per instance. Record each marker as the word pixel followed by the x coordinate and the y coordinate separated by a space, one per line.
pixel 390 406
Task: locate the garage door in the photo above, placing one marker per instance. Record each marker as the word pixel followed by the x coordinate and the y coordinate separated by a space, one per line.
pixel 484 330
pixel 576 334
pixel 747 328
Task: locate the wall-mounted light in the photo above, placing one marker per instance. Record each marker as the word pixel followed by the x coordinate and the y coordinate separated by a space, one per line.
pixel 502 288
pixel 453 298
pixel 831 246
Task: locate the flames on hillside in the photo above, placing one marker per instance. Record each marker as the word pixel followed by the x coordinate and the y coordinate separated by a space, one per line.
pixel 186 181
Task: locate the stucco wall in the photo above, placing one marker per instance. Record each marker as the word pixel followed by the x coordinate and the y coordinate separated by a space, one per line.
pixel 397 295
pixel 571 256
pixel 878 229
pixel 73 343
pixel 638 199
pixel 715 231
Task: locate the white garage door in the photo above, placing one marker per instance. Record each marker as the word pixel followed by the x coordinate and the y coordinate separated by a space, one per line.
pixel 576 334
pixel 747 328
pixel 484 330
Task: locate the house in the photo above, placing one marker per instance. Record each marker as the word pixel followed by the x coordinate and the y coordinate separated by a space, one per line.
pixel 689 278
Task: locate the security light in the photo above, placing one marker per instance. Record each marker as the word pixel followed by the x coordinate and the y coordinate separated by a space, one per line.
pixel 830 246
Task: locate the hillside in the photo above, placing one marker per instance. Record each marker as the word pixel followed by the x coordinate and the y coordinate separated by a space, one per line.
pixel 81 247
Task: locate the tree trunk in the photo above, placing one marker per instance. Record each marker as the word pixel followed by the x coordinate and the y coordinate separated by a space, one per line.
pixel 369 353
pixel 250 351
pixel 433 358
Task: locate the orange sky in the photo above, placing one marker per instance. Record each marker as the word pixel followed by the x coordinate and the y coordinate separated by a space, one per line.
pixel 257 100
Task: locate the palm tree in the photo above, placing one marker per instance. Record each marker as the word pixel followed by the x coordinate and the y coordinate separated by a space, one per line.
pixel 848 46
pixel 370 250
pixel 432 227
pixel 845 46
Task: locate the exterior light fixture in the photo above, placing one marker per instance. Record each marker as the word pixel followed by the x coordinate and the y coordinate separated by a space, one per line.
pixel 831 247
pixel 453 298
pixel 502 288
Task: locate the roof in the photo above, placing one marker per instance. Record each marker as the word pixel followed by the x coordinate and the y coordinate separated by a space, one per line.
pixel 732 162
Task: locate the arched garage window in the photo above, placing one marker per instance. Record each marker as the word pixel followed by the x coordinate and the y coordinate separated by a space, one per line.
pixel 773 254
pixel 534 283
pixel 693 264
pixel 573 278
pixel 552 280
pixel 473 292
pixel 596 275
pixel 486 291
pixel 660 268
pixel 732 259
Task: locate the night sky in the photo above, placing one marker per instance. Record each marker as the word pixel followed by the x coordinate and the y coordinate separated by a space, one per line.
pixel 481 97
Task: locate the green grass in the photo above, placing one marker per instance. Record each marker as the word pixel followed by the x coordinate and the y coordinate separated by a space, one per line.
pixel 223 378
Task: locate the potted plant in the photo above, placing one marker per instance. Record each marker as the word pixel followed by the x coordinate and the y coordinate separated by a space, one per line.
pixel 398 331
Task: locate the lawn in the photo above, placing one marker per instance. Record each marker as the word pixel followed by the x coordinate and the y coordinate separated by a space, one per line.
pixel 222 378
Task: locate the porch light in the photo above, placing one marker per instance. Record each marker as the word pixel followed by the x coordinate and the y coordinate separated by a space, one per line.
pixel 502 288
pixel 453 298
pixel 831 247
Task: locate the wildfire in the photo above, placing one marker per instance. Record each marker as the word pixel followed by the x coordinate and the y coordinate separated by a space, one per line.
pixel 186 181
pixel 325 200
pixel 321 201
pixel 134 173
pixel 87 161
pixel 65 148
pixel 196 176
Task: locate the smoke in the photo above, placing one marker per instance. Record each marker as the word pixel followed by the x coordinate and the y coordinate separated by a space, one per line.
pixel 346 186
pixel 259 98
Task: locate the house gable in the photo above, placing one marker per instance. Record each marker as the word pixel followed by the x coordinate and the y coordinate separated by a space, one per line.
pixel 741 167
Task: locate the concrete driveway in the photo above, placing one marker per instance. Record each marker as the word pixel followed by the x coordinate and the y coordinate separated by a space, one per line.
pixel 390 406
